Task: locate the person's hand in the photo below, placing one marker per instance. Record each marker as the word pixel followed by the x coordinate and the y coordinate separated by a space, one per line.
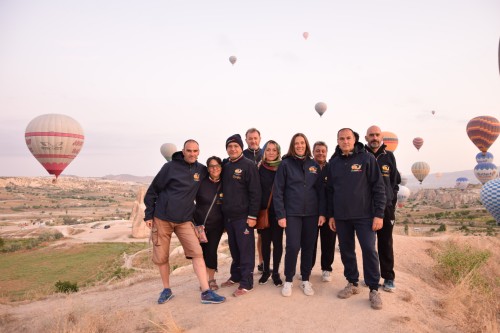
pixel 378 223
pixel 331 224
pixel 149 223
pixel 282 222
pixel 321 220
pixel 251 222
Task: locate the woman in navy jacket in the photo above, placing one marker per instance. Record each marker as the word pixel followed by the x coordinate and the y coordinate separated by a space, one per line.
pixel 296 203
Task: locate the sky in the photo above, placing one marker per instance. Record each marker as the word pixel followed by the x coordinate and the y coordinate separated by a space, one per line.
pixel 137 74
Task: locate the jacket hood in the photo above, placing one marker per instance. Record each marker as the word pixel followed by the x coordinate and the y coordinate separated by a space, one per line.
pixel 381 150
pixel 358 148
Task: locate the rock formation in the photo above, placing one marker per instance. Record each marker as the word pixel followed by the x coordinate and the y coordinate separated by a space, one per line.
pixel 139 229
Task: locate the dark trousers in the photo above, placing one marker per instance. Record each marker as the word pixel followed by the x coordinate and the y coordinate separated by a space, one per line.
pixel 366 237
pixel 301 233
pixel 274 235
pixel 328 238
pixel 210 249
pixel 241 240
pixel 385 245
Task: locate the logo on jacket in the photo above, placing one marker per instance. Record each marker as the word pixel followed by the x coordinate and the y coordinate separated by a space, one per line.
pixel 385 170
pixel 356 168
pixel 237 174
pixel 246 232
pixel 313 169
pixel 196 177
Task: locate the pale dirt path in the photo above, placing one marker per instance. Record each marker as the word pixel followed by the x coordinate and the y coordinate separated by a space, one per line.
pixel 413 307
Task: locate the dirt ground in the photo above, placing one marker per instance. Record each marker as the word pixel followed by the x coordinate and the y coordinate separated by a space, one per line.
pixel 130 306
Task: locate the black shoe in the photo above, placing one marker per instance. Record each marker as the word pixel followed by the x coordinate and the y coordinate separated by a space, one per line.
pixel 265 276
pixel 260 267
pixel 277 280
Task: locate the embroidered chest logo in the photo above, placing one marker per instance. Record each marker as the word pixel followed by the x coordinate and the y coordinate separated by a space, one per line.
pixel 356 168
pixel 237 174
pixel 313 169
pixel 385 170
pixel 196 177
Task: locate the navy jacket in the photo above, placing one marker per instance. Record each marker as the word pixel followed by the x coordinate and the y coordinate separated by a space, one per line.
pixel 171 195
pixel 355 188
pixel 204 198
pixel 253 155
pixel 389 170
pixel 241 189
pixel 297 187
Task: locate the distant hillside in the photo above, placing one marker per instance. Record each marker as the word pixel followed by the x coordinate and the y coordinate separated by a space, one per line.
pixel 130 178
pixel 447 179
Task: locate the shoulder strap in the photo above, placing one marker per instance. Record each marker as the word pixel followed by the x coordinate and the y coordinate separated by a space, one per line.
pixel 213 201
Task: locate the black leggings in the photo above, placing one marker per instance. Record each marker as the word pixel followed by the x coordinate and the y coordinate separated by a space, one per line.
pixel 210 248
pixel 274 235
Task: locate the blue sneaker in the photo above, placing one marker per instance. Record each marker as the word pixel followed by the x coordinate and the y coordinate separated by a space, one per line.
pixel 165 296
pixel 389 286
pixel 211 297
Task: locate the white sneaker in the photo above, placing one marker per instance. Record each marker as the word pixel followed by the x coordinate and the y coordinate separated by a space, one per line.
pixel 287 289
pixel 326 276
pixel 307 288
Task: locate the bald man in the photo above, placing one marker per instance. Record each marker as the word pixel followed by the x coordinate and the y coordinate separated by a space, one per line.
pixel 390 175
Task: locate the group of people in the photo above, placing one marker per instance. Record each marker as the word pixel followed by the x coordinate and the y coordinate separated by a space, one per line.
pixel 306 197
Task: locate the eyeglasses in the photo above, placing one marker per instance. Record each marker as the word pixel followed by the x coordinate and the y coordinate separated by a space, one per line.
pixel 215 166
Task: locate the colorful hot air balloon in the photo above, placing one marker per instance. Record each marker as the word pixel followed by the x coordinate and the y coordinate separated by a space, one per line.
pixel 55 140
pixel 484 158
pixel 403 195
pixel 418 142
pixel 320 108
pixel 305 35
pixel 483 131
pixel 420 170
pixel 433 112
pixel 485 172
pixel 167 150
pixel 391 140
pixel 232 59
pixel 490 197
pixel 462 183
pixel 404 180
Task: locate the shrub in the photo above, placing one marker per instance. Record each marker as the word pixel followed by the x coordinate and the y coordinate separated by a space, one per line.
pixel 442 227
pixel 66 287
pixel 2 242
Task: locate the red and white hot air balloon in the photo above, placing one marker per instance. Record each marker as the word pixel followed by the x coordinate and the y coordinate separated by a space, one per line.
pixel 418 142
pixel 305 35
pixel 55 140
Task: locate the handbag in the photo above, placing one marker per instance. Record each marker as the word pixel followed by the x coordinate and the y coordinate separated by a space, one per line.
pixel 200 229
pixel 263 217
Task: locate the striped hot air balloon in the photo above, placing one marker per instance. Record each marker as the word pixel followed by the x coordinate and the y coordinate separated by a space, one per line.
pixel 418 142
pixel 420 170
pixel 55 140
pixel 391 140
pixel 483 131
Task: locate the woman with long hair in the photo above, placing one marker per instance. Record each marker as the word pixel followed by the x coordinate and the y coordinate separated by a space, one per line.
pixel 297 189
pixel 271 159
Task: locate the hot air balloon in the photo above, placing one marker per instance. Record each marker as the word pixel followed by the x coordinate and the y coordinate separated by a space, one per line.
pixel 484 158
pixel 433 112
pixel 232 59
pixel 320 108
pixel 485 172
pixel 462 183
pixel 418 142
pixel 305 35
pixel 404 180
pixel 490 197
pixel 391 140
pixel 420 170
pixel 167 150
pixel 483 131
pixel 403 195
pixel 438 175
pixel 55 140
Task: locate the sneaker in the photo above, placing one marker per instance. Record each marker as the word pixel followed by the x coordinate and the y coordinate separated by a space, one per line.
pixel 165 296
pixel 287 289
pixel 389 286
pixel 375 300
pixel 307 288
pixel 211 297
pixel 228 283
pixel 260 267
pixel 326 276
pixel 277 280
pixel 241 291
pixel 348 291
pixel 264 278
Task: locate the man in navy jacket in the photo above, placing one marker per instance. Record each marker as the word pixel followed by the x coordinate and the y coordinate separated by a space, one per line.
pixel 170 206
pixel 356 203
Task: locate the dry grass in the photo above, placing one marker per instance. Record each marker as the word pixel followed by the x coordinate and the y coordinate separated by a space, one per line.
pixel 473 301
